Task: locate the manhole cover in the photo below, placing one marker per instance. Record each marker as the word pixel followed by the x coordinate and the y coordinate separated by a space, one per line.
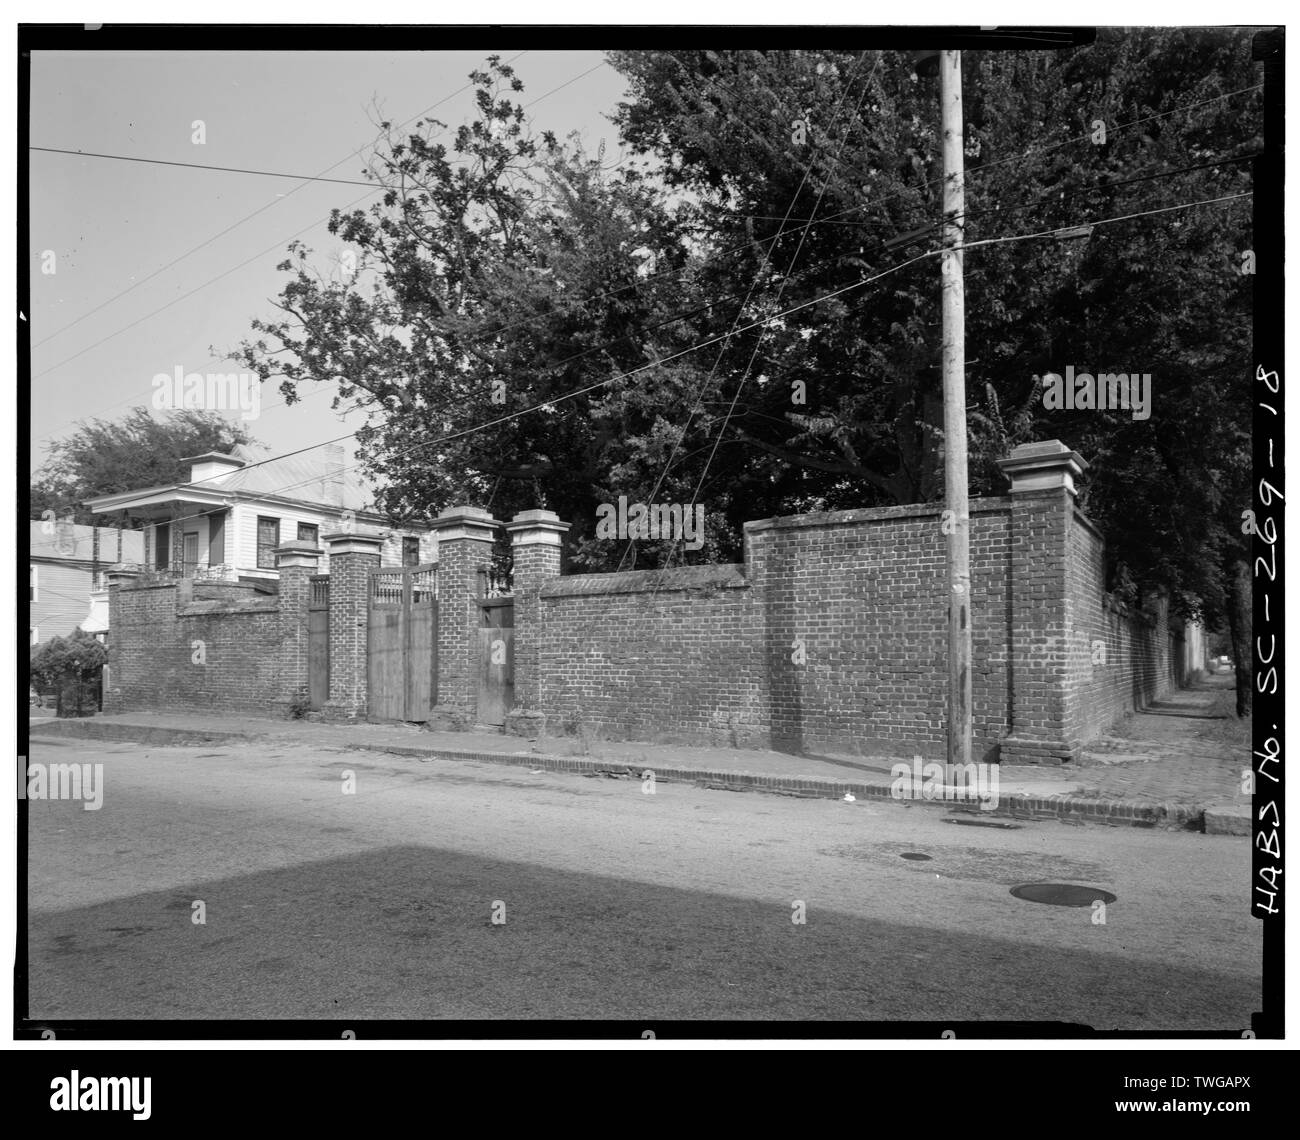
pixel 1062 894
pixel 916 855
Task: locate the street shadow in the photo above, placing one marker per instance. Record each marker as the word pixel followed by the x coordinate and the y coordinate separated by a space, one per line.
pixel 407 932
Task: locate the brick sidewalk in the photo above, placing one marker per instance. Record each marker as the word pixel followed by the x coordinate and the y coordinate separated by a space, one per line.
pixel 1167 777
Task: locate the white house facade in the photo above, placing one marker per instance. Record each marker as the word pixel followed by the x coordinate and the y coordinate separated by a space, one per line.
pixel 227 521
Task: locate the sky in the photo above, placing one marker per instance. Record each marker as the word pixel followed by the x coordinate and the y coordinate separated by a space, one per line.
pixel 101 326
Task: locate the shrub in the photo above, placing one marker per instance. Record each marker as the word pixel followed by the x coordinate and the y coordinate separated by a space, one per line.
pixel 300 704
pixel 68 665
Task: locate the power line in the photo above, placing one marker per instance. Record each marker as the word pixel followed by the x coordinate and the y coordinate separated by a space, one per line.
pixel 1040 199
pixel 853 209
pixel 694 348
pixel 553 400
pixel 552 368
pixel 1022 156
pixel 198 288
pixel 1103 221
pixel 1105 185
pixel 708 382
pixel 767 255
pixel 199 166
pixel 260 209
pixel 832 218
pixel 807 170
pixel 276 245
pixel 759 340
pixel 565 84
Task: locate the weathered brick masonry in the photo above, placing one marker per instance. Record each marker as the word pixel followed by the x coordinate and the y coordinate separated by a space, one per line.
pixel 1145 655
pixel 158 637
pixel 831 636
pixel 709 653
pixel 651 653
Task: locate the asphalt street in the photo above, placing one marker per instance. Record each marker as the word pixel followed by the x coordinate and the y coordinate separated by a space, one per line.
pixel 379 902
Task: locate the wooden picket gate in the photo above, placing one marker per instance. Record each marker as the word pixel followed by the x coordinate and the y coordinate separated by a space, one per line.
pixel 402 642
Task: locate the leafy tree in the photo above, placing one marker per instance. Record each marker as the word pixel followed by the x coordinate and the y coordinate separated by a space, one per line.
pixel 67 664
pixel 102 457
pixel 511 263
pixel 1160 294
pixel 499 273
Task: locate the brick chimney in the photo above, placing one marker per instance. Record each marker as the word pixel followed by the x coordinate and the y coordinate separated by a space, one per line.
pixel 334 459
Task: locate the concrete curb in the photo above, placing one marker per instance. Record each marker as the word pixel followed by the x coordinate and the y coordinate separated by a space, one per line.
pixel 1015 806
pixel 1228 819
pixel 157 735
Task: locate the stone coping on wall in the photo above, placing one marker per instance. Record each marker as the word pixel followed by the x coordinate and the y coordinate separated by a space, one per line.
pixel 1084 521
pixel 210 606
pixel 993 504
pixel 730 576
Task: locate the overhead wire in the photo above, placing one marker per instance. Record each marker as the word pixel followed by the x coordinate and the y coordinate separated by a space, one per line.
pixel 550 402
pixel 247 217
pixel 375 189
pixel 810 222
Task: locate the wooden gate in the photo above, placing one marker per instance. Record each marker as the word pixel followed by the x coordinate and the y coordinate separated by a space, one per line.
pixel 318 641
pixel 402 643
pixel 496 660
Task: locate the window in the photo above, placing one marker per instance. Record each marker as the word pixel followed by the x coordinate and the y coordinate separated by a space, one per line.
pixel 410 551
pixel 308 532
pixel 268 538
pixel 32 585
pixel 34 633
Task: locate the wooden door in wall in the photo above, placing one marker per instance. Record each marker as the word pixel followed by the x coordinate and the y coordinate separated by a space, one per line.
pixel 402 643
pixel 318 641
pixel 496 660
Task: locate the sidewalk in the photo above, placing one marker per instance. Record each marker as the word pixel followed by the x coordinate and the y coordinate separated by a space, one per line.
pixel 1170 768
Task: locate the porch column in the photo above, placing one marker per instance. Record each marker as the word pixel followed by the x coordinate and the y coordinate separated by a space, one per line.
pixel 351 558
pixel 465 538
pixel 296 562
pixel 1042 513
pixel 177 530
pixel 535 538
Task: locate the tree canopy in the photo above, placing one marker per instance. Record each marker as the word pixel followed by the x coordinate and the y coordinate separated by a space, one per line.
pixel 743 314
pixel 103 457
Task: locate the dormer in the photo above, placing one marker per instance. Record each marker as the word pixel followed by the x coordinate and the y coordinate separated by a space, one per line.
pixel 212 466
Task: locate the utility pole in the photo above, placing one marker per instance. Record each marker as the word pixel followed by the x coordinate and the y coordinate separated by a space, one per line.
pixel 955 474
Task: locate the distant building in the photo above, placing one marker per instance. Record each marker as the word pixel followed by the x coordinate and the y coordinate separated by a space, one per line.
pixel 65 572
pixel 236 509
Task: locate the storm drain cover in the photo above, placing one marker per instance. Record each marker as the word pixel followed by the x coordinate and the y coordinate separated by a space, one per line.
pixel 1062 894
pixel 916 855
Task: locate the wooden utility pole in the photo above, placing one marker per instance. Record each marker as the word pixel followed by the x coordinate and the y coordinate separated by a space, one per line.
pixel 957 500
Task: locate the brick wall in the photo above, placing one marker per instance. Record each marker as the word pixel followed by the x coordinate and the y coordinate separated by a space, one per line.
pixel 663 654
pixel 709 652
pixel 830 637
pixel 865 591
pixel 152 652
pixel 1143 652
